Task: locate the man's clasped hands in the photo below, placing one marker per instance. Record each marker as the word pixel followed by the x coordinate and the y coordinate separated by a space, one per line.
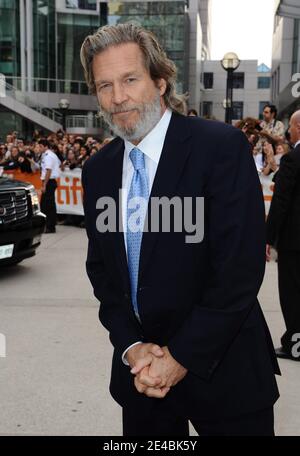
pixel 155 370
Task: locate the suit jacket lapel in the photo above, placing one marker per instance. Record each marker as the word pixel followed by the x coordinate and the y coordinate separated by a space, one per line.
pixel 115 184
pixel 170 167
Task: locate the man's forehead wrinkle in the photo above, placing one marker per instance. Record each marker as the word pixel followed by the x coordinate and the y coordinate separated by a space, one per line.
pixel 122 75
pixel 105 72
pixel 118 56
pixel 122 67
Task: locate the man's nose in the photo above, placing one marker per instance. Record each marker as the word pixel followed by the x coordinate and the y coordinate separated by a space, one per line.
pixel 119 94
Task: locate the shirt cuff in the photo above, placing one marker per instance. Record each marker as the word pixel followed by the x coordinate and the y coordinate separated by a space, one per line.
pixel 125 351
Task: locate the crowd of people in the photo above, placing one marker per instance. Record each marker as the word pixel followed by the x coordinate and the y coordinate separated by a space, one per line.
pixel 268 138
pixel 69 151
pixel 72 151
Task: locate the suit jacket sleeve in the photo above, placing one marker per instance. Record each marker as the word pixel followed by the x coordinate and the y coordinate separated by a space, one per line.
pixel 113 312
pixel 235 231
pixel 285 183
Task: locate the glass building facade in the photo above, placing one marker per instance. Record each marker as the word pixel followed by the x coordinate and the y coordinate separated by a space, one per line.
pixel 167 20
pixel 57 34
pixel 71 31
pixel 44 60
pixel 10 62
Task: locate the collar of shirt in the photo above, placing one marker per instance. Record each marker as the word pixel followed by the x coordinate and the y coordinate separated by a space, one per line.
pixel 265 124
pixel 297 143
pixel 153 142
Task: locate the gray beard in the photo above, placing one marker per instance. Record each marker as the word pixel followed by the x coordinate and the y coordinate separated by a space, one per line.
pixel 150 115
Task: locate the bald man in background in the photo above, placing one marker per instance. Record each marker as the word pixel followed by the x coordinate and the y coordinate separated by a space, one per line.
pixel 283 233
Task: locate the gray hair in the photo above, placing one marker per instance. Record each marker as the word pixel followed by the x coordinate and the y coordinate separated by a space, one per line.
pixel 155 58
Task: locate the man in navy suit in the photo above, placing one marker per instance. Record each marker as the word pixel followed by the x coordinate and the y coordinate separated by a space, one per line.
pixel 283 232
pixel 190 340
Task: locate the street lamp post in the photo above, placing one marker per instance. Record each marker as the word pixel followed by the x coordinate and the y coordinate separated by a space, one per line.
pixel 230 63
pixel 64 106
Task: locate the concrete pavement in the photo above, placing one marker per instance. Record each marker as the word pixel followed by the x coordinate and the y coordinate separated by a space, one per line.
pixel 54 379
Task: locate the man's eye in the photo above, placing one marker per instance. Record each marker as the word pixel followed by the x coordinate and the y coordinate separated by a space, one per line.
pixel 104 86
pixel 131 79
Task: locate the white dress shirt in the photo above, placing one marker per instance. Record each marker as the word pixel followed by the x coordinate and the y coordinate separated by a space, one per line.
pixel 151 146
pixel 50 161
pixel 297 144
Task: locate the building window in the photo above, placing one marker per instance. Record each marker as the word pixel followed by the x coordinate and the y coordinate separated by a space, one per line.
pixel 278 81
pixel 82 4
pixel 238 80
pixel 263 82
pixel 237 110
pixel 10 59
pixel 262 104
pixel 273 88
pixel 207 109
pixel 44 50
pixel 71 31
pixel 208 80
pixel 296 47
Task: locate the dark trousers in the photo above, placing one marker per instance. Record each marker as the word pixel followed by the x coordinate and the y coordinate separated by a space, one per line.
pixel 48 206
pixel 161 423
pixel 289 293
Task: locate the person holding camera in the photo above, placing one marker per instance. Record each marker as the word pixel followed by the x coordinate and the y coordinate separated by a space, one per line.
pixel 271 125
pixel 17 160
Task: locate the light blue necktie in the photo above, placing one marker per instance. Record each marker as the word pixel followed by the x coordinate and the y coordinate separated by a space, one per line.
pixel 138 188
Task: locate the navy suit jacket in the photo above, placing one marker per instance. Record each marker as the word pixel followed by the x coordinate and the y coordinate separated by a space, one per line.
pixel 199 299
pixel 283 223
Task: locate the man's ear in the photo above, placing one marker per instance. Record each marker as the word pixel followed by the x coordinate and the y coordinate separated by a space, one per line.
pixel 162 86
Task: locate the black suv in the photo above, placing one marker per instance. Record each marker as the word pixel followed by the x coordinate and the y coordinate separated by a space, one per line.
pixel 21 222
